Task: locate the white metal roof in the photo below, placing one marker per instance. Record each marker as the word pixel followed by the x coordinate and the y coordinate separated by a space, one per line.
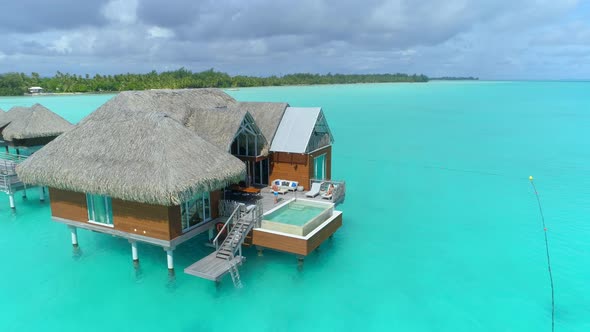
pixel 295 129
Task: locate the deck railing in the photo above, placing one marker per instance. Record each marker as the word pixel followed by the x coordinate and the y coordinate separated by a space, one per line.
pixel 9 161
pixel 233 218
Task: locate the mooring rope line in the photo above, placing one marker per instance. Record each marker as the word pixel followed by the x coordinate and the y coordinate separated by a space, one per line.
pixel 548 257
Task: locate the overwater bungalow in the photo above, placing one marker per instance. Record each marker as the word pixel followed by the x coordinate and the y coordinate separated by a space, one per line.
pixel 25 130
pixel 300 143
pixel 157 167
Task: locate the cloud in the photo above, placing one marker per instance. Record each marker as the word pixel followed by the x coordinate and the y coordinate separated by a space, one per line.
pixel 486 38
pixel 26 16
pixel 120 11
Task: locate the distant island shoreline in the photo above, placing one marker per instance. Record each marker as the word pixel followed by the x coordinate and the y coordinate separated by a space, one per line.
pixel 19 84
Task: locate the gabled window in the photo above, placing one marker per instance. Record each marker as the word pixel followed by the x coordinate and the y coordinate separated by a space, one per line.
pixel 321 135
pixel 248 141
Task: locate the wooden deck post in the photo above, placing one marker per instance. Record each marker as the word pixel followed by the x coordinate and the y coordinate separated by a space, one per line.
pixel 41 194
pixel 170 258
pixel 25 192
pixel 300 260
pixel 11 200
pixel 74 233
pixel 134 251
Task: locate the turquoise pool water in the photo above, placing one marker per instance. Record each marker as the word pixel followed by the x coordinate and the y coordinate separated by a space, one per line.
pixel 441 229
pixel 294 213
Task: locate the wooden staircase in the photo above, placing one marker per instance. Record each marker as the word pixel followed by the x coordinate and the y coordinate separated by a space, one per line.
pixel 235 238
pixel 228 255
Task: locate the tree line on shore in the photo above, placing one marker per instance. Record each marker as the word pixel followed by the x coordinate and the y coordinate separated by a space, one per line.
pixel 14 84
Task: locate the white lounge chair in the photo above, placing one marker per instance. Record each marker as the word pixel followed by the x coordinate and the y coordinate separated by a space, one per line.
pixel 315 189
pixel 328 194
pixel 283 189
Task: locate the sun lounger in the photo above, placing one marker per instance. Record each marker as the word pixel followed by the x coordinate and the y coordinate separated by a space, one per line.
pixel 328 194
pixel 315 189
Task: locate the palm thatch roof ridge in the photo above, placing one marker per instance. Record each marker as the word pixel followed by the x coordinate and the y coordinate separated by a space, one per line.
pixel 206 111
pixel 12 114
pixel 147 157
pixel 34 122
pixel 267 116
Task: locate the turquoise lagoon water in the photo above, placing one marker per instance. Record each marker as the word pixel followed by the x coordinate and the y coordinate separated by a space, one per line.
pixel 294 214
pixel 441 229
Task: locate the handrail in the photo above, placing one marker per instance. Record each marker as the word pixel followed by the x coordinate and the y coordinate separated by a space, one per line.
pixel 215 240
pixel 12 157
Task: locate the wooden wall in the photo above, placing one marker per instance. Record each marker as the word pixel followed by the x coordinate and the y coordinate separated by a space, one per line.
pixel 156 221
pixel 68 205
pixel 215 197
pixel 141 219
pixel 298 167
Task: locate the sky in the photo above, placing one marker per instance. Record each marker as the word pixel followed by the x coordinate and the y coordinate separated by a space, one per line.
pixel 490 39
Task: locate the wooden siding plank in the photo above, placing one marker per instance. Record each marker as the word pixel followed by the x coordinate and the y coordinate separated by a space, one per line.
pixel 142 219
pixel 323 234
pixel 68 205
pixel 279 242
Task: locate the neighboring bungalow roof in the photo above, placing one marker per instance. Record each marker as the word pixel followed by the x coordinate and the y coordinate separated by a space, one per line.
pixel 267 116
pixel 296 128
pixel 34 122
pixel 146 157
pixel 12 114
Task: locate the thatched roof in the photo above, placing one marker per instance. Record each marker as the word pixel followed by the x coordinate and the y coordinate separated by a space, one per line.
pixel 15 112
pixel 267 116
pixel 176 103
pixel 133 155
pixel 218 126
pixel 34 122
pixel 209 112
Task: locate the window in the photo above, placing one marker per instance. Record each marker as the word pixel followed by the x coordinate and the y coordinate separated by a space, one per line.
pixel 319 167
pixel 195 211
pixel 100 209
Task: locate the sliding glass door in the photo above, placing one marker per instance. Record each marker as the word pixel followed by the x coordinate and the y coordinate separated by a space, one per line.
pixel 319 166
pixel 195 211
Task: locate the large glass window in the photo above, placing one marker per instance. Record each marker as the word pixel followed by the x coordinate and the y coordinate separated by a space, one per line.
pixel 261 172
pixel 100 209
pixel 195 211
pixel 319 166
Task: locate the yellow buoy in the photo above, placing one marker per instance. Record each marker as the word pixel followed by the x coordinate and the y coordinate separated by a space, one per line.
pixel 531 178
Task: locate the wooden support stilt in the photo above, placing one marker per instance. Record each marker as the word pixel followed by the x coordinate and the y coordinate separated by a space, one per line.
pixel 300 260
pixel 170 259
pixel 11 200
pixel 41 194
pixel 134 251
pixel 74 233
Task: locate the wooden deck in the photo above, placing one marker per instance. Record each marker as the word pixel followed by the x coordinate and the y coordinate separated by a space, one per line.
pixel 268 198
pixel 212 267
